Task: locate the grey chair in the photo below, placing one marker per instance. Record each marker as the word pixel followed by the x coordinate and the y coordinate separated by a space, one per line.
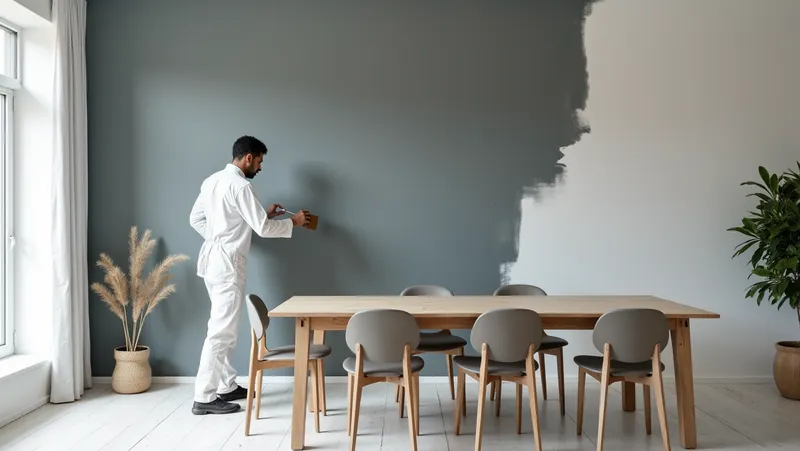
pixel 264 358
pixel 440 342
pixel 383 341
pixel 507 340
pixel 551 345
pixel 631 341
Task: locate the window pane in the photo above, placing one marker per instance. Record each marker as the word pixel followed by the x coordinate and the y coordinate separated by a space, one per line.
pixel 3 248
pixel 8 52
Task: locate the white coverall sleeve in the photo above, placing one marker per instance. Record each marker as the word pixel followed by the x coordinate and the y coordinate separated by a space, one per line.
pixel 255 215
pixel 197 218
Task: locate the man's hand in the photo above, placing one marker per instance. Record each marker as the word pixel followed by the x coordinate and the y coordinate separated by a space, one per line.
pixel 301 218
pixel 273 210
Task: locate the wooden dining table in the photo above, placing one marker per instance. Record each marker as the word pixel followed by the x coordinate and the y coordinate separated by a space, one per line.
pixel 323 313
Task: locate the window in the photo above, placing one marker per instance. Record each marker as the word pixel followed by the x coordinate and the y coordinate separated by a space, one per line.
pixel 8 51
pixel 9 81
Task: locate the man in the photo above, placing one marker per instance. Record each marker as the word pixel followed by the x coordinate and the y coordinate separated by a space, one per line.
pixel 225 214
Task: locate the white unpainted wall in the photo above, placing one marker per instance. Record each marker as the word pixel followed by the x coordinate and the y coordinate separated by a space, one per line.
pixel 686 100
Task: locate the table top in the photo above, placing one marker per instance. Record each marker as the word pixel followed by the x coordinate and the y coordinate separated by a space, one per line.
pixel 587 306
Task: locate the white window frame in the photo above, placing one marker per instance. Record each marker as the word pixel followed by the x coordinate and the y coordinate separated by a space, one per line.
pixel 8 86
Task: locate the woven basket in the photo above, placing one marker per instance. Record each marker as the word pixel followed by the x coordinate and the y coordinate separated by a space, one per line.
pixel 132 373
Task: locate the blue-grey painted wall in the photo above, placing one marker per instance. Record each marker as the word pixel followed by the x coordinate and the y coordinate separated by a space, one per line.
pixel 412 128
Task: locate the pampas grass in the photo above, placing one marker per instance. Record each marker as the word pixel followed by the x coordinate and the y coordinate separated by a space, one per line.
pixel 142 296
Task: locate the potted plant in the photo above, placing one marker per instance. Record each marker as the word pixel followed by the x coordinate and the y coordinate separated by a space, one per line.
pixel 773 232
pixel 131 299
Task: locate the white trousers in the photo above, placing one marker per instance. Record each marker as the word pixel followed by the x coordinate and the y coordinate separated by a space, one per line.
pixel 215 373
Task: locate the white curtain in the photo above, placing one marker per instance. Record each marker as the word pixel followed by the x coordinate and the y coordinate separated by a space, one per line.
pixel 71 357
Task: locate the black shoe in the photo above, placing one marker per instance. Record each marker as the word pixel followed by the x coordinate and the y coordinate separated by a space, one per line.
pixel 217 406
pixel 239 393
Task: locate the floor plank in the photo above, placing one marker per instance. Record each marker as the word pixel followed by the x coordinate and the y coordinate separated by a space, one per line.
pixel 729 417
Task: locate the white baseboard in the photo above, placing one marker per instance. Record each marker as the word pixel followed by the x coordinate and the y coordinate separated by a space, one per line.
pixel 19 413
pixel 551 379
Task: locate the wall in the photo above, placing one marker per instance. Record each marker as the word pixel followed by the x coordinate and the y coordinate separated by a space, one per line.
pixel 685 102
pixel 441 144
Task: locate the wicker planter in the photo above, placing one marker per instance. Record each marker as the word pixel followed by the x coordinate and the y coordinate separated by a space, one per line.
pixel 132 373
pixel 786 369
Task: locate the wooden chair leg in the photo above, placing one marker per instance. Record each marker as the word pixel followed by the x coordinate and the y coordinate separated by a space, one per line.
pixel 534 401
pixel 408 381
pixel 416 401
pixel 492 391
pixel 250 400
pixel 519 408
pixel 658 386
pixel 355 408
pixel 601 427
pixel 581 397
pixel 349 403
pixel 460 401
pixel 315 394
pixel 356 405
pixel 484 382
pixel 481 410
pixel 647 415
pixel 543 375
pixel 560 363
pixel 450 376
pixel 259 382
pixel 321 378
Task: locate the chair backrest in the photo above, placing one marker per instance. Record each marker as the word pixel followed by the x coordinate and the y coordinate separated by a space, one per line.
pixel 258 314
pixel 426 290
pixel 519 289
pixel 632 333
pixel 382 334
pixel 508 333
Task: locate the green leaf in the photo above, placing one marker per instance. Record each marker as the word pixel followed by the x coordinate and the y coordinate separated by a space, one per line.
pixel 761 196
pixel 781 289
pixel 755 184
pixel 773 183
pixel 762 171
pixel 745 248
pixel 761 271
pixel 756 257
pixel 741 230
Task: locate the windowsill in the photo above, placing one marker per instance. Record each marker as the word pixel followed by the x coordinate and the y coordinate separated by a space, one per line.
pixel 19 363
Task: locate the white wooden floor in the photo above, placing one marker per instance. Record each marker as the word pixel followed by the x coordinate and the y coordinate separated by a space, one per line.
pixel 729 417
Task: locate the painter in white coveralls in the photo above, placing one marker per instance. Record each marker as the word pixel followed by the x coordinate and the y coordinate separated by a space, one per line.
pixel 225 214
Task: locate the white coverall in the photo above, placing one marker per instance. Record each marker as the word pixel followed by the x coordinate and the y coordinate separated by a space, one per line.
pixel 225 214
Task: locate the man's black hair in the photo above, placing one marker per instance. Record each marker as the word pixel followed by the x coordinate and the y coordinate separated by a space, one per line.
pixel 246 145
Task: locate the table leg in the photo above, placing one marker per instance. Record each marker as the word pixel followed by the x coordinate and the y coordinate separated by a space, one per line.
pixel 628 396
pixel 300 400
pixel 684 383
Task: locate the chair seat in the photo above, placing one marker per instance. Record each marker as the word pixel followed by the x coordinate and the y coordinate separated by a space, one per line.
pixel 383 369
pixel 438 341
pixel 595 363
pixel 473 365
pixel 550 342
pixel 287 352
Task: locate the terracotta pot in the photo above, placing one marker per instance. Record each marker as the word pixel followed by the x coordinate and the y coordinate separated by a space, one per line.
pixel 786 369
pixel 132 373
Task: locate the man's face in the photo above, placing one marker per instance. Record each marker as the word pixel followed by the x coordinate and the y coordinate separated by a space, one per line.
pixel 252 165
